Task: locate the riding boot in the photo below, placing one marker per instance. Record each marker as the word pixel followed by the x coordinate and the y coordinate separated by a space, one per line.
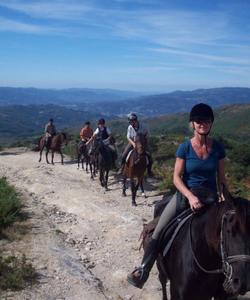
pixel 140 275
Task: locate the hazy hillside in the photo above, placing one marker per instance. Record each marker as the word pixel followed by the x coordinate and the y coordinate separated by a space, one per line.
pixel 73 96
pixel 230 121
pixel 179 101
pixel 119 103
pixel 18 122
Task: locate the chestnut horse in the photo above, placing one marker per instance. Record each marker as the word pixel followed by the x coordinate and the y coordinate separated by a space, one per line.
pixel 54 145
pixel 210 256
pixel 135 167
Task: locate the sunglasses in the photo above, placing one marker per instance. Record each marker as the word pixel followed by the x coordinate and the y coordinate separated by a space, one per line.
pixel 203 121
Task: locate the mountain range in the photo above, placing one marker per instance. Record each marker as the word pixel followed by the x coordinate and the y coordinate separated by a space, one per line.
pixel 24 111
pixel 114 102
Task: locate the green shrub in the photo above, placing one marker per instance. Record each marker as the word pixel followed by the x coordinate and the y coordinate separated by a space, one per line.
pixel 15 273
pixel 10 204
pixel 71 149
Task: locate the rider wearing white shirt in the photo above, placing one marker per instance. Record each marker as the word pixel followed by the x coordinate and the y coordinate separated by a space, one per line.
pixel 135 128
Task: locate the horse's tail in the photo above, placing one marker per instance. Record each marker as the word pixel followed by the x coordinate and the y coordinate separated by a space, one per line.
pixel 37 147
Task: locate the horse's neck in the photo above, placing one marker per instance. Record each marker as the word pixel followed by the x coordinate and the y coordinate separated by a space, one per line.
pixel 202 250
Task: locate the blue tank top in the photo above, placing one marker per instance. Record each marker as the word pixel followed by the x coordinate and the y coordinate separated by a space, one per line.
pixel 197 171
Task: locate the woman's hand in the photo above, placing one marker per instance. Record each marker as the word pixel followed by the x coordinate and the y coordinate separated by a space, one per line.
pixel 194 202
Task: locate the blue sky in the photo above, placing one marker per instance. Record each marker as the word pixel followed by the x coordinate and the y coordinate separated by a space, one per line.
pixel 141 45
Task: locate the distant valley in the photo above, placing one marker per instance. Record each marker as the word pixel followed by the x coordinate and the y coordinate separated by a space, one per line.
pixel 114 102
pixel 23 112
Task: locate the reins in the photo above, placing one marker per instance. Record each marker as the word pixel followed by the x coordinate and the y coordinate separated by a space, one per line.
pixel 226 260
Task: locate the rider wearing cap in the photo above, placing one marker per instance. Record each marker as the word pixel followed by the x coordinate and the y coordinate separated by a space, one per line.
pixel 135 127
pixel 199 167
pixel 50 131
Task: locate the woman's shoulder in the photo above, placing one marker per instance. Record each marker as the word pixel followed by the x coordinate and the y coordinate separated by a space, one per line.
pixel 183 148
pixel 185 144
pixel 218 148
pixel 217 144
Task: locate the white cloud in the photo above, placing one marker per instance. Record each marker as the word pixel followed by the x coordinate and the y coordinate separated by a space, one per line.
pixel 9 25
pixel 22 27
pixel 207 57
pixel 48 10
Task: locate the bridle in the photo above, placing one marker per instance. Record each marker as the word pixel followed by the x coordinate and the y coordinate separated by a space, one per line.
pixel 226 260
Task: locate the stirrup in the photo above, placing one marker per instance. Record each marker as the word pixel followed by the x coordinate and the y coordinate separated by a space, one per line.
pixel 140 280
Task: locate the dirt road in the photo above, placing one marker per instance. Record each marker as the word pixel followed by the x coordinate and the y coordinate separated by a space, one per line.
pixel 83 241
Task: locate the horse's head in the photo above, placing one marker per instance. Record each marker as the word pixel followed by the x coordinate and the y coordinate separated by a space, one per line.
pixel 231 240
pixel 96 144
pixel 140 143
pixel 64 138
pixel 112 140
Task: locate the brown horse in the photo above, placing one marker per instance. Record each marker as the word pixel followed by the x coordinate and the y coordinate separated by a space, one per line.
pixel 135 167
pixel 210 255
pixel 54 145
pixel 86 154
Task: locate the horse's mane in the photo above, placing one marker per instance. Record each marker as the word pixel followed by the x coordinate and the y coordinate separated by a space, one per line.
pixel 64 135
pixel 213 224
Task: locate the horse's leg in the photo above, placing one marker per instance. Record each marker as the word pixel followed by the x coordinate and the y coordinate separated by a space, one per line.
pixel 163 281
pixel 101 176
pixel 133 191
pixel 60 151
pixel 52 157
pixel 41 152
pixel 91 170
pixel 124 186
pixel 106 180
pixel 136 187
pixel 47 152
pixel 95 168
pixel 78 161
pixel 142 189
pixel 162 276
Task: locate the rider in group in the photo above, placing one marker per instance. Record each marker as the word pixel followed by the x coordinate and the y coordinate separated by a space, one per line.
pixel 135 127
pixel 50 131
pixel 199 166
pixel 104 133
pixel 86 132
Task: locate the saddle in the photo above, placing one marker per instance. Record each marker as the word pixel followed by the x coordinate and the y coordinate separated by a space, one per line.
pixel 169 233
pixel 133 152
pixel 183 214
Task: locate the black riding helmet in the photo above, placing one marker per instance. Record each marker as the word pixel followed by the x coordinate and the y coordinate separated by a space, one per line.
pixel 132 117
pixel 201 112
pixel 51 120
pixel 101 122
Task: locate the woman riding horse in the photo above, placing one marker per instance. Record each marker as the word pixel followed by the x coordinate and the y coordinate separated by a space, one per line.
pixel 135 128
pixel 104 133
pixel 198 162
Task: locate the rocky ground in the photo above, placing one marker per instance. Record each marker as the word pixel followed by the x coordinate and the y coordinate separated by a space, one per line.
pixel 81 240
